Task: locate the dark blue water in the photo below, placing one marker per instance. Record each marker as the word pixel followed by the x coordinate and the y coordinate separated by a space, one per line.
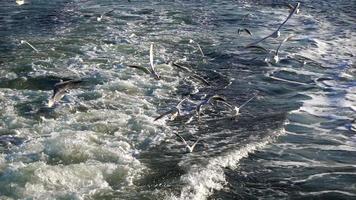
pixel 295 140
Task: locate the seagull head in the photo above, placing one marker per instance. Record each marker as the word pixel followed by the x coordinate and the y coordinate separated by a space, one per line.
pixel 276 34
pixel 156 76
pixel 275 59
pixel 174 116
pixel 50 103
pixel 235 111
pixel 99 19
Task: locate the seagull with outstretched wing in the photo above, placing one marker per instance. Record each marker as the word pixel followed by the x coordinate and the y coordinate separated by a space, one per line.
pixel 277 32
pixel 174 112
pixel 102 15
pixel 60 89
pixel 150 70
pixel 190 148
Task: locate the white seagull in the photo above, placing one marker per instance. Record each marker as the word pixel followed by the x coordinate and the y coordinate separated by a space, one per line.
pixel 151 70
pixel 277 32
pixel 209 101
pixel 190 148
pixel 174 112
pixel 60 89
pixel 102 15
pixel 236 110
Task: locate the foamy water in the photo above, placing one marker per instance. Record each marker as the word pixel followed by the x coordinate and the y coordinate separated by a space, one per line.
pixel 296 139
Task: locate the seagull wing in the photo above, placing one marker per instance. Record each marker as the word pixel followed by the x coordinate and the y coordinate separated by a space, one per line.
pixel 31 46
pixel 183 140
pixel 201 79
pixel 151 58
pixel 198 109
pixel 254 43
pixel 227 104
pixel 61 88
pixel 247 31
pixel 257 47
pixel 181 67
pixel 147 71
pixel 283 41
pixel 58 94
pixel 290 6
pixel 217 98
pixel 195 143
pixel 180 103
pixel 67 84
pixel 289 16
pixel 108 12
pixel 222 100
pixel 164 114
pixel 246 102
pixel 201 50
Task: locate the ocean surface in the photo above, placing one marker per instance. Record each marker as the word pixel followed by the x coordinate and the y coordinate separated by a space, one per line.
pixel 295 140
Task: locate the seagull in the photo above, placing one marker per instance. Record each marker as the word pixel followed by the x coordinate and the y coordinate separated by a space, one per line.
pixel 275 57
pixel 190 148
pixel 151 70
pixel 20 2
pixel 25 42
pixel 60 89
pixel 174 112
pixel 102 15
pixel 244 30
pixel 236 110
pixel 277 32
pixel 201 51
pixel 210 100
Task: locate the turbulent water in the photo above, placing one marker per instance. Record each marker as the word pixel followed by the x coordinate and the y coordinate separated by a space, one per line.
pixel 296 139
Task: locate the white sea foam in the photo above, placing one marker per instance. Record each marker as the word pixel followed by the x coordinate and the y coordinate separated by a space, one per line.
pixel 201 181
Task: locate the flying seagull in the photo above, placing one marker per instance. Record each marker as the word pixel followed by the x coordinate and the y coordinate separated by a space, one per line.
pixel 201 51
pixel 209 101
pixel 174 112
pixel 25 42
pixel 236 110
pixel 190 148
pixel 60 89
pixel 275 57
pixel 102 15
pixel 150 70
pixel 277 32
